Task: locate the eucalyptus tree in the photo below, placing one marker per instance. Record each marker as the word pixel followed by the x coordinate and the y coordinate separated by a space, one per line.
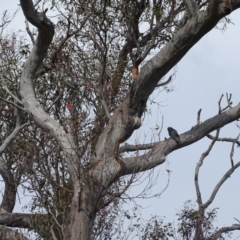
pixel 73 93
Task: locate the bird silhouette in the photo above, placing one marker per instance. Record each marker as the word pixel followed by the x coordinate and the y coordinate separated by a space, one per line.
pixel 173 134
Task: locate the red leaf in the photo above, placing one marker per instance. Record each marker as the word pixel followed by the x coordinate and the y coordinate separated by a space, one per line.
pixel 69 106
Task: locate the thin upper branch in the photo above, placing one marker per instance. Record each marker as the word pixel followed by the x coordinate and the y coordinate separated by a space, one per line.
pixel 232 140
pixel 12 136
pixel 165 82
pixel 229 100
pixel 222 230
pixel 219 104
pixel 217 187
pixel 198 116
pixel 12 103
pixel 199 164
pixel 29 31
pixel 11 94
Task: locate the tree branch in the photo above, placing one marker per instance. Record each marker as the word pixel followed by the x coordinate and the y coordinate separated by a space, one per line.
pixel 198 116
pixel 158 154
pixel 127 117
pixel 12 103
pixel 169 56
pixel 21 220
pixel 199 164
pixel 131 148
pixel 232 140
pixel 31 104
pixel 191 6
pixel 9 196
pixel 12 136
pixel 165 82
pixel 222 230
pixel 217 187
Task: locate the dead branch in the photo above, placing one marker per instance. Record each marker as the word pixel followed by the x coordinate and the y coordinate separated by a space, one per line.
pixel 158 153
pixel 219 104
pixel 165 82
pixel 222 230
pixel 198 116
pixel 12 136
pixel 232 140
pixel 232 151
pixel 229 100
pixel 12 103
pixel 28 31
pixel 131 148
pixel 217 187
pixel 199 164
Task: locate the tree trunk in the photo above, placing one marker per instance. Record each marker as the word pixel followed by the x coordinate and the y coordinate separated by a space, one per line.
pixel 82 214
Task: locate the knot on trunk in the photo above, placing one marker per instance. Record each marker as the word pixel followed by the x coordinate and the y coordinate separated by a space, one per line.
pixel 225 6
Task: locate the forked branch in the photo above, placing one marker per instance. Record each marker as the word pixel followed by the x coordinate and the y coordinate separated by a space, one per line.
pixel 199 164
pixel 222 180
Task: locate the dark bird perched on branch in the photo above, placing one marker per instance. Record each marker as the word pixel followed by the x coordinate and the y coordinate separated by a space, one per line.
pixel 173 134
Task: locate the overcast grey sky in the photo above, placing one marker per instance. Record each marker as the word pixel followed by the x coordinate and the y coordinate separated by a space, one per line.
pixel 210 68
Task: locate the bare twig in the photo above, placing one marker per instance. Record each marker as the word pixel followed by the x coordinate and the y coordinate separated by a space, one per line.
pixel 237 220
pixel 233 140
pixel 37 3
pixel 103 101
pixel 56 221
pixel 219 104
pixel 199 164
pixel 28 31
pixel 232 151
pixel 57 98
pixel 217 187
pixel 229 100
pixel 11 94
pixel 165 82
pixel 220 109
pixel 115 196
pixel 12 136
pixel 15 105
pixel 6 19
pixel 198 116
pixel 52 232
